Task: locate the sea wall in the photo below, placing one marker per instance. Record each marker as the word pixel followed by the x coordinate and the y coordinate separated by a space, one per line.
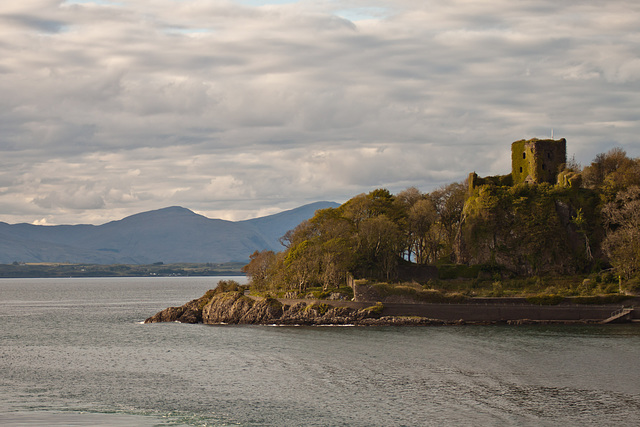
pixel 502 312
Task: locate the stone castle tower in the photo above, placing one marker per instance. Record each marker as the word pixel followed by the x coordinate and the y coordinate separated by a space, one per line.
pixel 537 160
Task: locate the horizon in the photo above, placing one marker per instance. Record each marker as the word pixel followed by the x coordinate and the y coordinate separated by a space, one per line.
pixel 241 109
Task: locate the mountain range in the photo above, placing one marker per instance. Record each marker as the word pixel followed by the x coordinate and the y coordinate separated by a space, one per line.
pixel 170 235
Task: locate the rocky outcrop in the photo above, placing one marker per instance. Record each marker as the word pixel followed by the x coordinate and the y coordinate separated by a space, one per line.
pixel 237 308
pixel 190 312
pixel 184 314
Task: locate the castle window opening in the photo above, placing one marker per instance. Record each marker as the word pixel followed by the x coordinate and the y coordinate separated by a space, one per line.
pixel 520 169
pixel 544 167
pixel 549 156
pixel 524 155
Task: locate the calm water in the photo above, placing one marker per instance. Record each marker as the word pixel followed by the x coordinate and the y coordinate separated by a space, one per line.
pixel 73 352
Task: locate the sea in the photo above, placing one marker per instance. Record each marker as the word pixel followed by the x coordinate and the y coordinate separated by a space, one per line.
pixel 74 352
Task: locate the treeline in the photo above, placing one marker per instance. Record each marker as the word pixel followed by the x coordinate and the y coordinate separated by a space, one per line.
pixel 520 230
pixel 368 236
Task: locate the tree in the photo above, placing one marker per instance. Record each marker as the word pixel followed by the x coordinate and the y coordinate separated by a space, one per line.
pixel 302 264
pixel 580 222
pixel 611 172
pixel 449 202
pixel 337 257
pixel 422 217
pixel 379 245
pixel 622 243
pixel 260 268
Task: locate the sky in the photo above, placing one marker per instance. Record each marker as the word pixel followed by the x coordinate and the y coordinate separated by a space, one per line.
pixel 240 109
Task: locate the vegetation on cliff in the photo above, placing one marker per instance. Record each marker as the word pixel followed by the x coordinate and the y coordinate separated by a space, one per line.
pixel 588 224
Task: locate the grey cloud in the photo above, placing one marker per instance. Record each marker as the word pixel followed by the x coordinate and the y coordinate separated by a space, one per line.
pixel 35 23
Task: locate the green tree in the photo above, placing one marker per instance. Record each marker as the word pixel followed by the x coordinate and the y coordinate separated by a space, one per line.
pixel 261 269
pixel 622 243
pixel 611 172
pixel 421 219
pixel 449 202
pixel 302 264
pixel 379 246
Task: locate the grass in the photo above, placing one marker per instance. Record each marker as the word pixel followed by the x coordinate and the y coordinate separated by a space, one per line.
pixel 375 310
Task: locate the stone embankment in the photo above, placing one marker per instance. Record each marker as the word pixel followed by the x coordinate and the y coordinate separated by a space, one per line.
pixel 237 308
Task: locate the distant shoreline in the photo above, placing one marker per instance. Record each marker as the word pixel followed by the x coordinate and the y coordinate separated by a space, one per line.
pixel 56 270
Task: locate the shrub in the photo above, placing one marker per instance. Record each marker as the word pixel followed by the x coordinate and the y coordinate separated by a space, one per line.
pixel 375 309
pixel 498 290
pixel 320 308
pixel 229 286
pixel 633 285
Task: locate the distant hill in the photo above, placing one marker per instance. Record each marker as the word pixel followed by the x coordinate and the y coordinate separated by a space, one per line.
pixel 168 235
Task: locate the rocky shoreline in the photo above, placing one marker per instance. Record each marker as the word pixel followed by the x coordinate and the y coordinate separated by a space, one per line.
pixel 237 308
pixel 234 307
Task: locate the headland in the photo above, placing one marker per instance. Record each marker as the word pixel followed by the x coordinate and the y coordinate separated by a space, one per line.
pixel 237 307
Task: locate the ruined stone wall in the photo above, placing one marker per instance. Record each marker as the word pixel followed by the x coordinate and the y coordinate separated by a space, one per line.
pixel 474 181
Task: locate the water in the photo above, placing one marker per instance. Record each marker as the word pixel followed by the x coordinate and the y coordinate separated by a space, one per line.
pixel 73 352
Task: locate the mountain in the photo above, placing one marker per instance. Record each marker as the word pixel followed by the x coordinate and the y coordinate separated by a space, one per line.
pixel 168 235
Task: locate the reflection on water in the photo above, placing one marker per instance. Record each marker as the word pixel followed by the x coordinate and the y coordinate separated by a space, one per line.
pixel 77 346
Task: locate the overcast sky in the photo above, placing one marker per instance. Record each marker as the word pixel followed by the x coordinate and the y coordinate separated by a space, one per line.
pixel 238 109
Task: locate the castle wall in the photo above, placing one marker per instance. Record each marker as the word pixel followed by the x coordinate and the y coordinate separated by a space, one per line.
pixel 474 181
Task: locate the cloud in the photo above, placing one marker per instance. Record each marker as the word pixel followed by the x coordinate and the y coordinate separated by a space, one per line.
pixel 235 109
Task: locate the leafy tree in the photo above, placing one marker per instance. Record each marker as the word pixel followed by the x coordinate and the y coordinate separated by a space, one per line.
pixel 622 243
pixel 581 224
pixel 379 244
pixel 421 219
pixel 611 172
pixel 449 202
pixel 302 263
pixel 261 268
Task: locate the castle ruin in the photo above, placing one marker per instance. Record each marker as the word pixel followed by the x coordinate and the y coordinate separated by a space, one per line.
pixel 537 160
pixel 533 161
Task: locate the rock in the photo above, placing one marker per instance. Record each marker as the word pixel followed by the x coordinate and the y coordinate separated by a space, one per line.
pixel 170 314
pixel 188 313
pixel 263 311
pixel 226 307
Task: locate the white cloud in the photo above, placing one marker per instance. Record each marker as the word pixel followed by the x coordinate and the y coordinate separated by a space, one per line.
pixel 237 108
